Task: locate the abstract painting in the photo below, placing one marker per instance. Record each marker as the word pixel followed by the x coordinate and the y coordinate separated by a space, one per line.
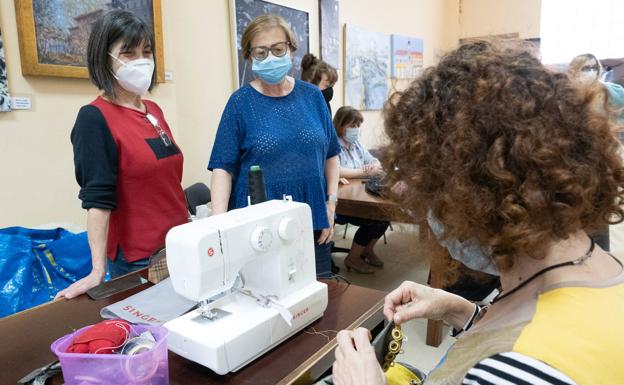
pixel 330 31
pixel 244 11
pixel 367 62
pixel 53 34
pixel 5 100
pixel 407 57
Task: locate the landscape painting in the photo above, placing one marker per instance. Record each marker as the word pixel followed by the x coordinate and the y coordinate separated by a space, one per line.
pixel 53 34
pixel 407 57
pixel 367 62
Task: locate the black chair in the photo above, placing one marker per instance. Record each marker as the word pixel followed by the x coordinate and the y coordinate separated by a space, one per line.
pixel 196 194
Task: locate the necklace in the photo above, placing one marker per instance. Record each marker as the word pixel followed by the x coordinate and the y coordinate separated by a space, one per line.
pixel 575 262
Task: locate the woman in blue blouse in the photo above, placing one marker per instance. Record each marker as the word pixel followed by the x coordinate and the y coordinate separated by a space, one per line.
pixel 282 125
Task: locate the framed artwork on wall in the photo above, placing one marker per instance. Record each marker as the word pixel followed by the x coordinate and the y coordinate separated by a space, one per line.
pixel 407 57
pixel 330 32
pixel 367 62
pixel 53 34
pixel 242 12
pixel 5 100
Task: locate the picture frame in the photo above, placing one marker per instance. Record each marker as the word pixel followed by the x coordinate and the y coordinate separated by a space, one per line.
pixel 406 60
pixel 330 32
pixel 367 68
pixel 53 42
pixel 5 98
pixel 243 11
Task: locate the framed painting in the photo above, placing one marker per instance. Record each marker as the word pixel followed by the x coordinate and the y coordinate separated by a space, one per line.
pixel 53 34
pixel 5 99
pixel 330 32
pixel 242 12
pixel 407 57
pixel 367 62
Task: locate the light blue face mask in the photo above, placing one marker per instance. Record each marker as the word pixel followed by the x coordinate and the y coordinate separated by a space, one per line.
pixel 468 252
pixel 352 134
pixel 272 69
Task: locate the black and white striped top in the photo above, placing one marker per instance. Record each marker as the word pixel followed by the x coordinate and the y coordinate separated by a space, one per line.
pixel 514 369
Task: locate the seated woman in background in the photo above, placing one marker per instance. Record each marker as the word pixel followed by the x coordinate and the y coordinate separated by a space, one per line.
pixel 320 74
pixel 505 152
pixel 357 162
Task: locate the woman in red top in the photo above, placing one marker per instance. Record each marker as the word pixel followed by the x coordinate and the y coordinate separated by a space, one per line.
pixel 127 164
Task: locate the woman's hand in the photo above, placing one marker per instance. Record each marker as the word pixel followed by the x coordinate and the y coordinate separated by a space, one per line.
pixel 372 169
pixel 356 363
pixel 412 300
pixel 327 235
pixel 81 286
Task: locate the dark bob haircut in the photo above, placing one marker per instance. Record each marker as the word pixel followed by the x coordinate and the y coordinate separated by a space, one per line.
pixel 114 26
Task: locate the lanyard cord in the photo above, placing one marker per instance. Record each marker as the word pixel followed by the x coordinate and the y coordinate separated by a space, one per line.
pixel 547 269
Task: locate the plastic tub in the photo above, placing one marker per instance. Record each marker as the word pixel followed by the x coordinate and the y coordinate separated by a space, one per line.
pixel 148 368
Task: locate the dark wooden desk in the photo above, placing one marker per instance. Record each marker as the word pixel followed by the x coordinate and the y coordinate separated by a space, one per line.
pixel 26 339
pixel 354 201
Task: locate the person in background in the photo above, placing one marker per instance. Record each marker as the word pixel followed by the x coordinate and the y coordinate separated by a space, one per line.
pixel 283 126
pixel 587 70
pixel 320 74
pixel 357 162
pixel 127 164
pixel 516 157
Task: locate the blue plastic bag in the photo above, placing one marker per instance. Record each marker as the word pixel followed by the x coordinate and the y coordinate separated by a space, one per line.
pixel 36 264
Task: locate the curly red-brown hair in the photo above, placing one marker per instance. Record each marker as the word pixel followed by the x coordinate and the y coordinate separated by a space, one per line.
pixel 503 150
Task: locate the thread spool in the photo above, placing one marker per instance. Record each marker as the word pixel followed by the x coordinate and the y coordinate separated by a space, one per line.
pixel 257 189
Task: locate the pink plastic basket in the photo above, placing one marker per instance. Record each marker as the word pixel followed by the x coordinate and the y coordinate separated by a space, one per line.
pixel 147 368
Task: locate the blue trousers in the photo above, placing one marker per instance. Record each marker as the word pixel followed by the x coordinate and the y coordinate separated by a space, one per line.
pixel 322 255
pixel 120 266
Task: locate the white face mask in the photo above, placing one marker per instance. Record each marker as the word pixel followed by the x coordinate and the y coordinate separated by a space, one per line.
pixel 352 134
pixel 468 252
pixel 135 76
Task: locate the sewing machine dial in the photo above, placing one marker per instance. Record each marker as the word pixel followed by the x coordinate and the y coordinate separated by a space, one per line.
pixel 287 229
pixel 261 238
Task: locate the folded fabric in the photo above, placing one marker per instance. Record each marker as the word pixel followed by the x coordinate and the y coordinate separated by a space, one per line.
pixel 102 338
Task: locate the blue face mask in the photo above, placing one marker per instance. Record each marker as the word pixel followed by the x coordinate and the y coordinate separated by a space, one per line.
pixel 272 69
pixel 352 134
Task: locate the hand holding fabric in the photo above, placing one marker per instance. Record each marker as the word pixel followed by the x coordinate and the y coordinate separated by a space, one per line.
pixel 356 363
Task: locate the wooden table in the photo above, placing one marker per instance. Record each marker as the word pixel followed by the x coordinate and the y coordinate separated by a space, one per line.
pixel 26 339
pixel 354 201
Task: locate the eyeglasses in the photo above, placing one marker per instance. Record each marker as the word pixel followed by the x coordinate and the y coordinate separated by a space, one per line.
pixel 278 50
pixel 161 133
pixel 588 68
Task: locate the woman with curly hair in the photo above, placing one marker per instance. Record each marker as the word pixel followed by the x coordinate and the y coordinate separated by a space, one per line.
pixel 504 152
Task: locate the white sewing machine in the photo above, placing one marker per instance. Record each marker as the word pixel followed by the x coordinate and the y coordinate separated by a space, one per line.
pixel 253 272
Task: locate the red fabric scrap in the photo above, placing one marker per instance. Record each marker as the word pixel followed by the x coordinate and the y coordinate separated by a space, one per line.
pixel 102 338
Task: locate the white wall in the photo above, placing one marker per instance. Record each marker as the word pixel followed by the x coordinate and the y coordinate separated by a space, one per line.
pixel 492 17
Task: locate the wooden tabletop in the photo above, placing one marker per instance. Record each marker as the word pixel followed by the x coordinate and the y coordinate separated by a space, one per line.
pixel 354 201
pixel 26 338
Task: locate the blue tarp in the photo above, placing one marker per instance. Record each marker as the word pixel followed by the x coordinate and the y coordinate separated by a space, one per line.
pixel 36 264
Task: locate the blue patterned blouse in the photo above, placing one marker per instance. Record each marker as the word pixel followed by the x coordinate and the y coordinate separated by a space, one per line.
pixel 289 137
